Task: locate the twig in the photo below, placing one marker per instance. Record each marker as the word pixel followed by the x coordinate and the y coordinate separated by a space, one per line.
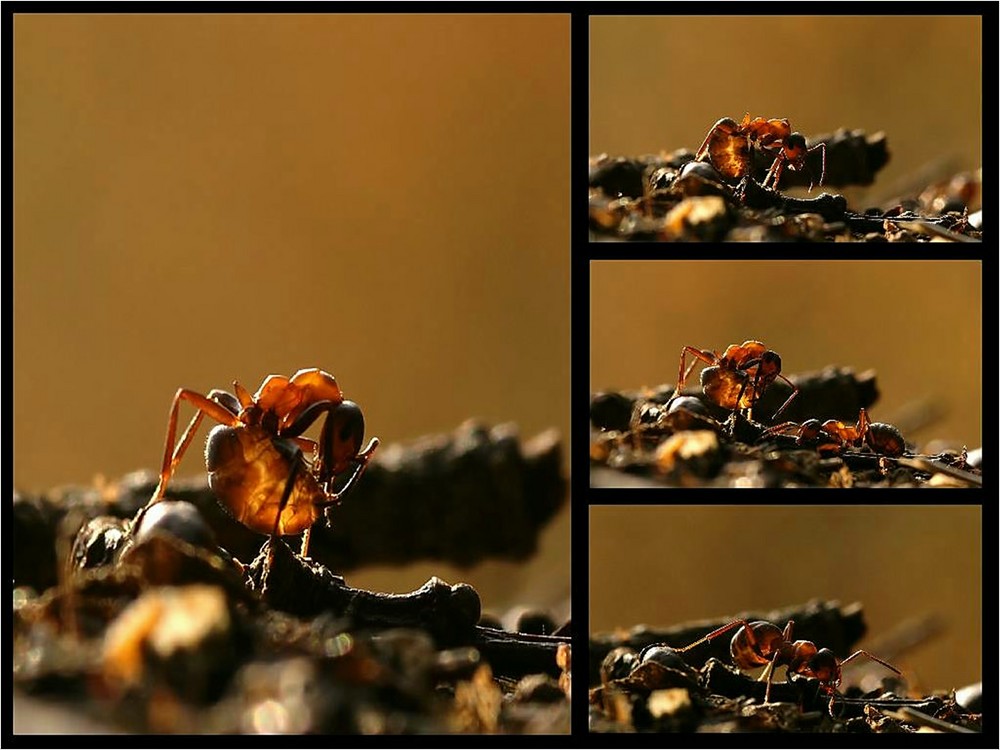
pixel 924 463
pixel 913 716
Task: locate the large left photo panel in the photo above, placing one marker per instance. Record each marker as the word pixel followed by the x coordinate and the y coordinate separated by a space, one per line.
pixel 291 303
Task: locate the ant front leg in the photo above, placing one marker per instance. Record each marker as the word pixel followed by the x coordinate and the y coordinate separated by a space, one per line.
pixel 822 175
pixel 774 173
pixel 795 392
pixel 361 461
pixel 862 652
pixel 213 406
pixel 333 498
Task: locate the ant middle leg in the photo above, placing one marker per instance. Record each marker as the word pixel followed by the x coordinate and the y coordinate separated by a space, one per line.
pixel 293 474
pixel 720 631
pixel 862 652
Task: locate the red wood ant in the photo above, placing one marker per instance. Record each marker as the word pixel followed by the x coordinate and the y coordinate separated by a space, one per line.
pixel 255 460
pixel 729 146
pixel 884 439
pixel 764 644
pixel 737 378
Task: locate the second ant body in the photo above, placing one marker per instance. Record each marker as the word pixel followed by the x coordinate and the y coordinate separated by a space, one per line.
pixel 729 146
pixel 738 377
pixel 256 462
pixel 833 436
pixel 764 644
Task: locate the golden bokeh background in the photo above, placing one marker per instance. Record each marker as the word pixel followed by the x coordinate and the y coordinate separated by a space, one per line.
pixel 918 324
pixel 660 83
pixel 666 565
pixel 202 198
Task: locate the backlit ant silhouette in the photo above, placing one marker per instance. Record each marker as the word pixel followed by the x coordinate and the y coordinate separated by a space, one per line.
pixel 729 147
pixel 256 464
pixel 738 378
pixel 833 436
pixel 764 644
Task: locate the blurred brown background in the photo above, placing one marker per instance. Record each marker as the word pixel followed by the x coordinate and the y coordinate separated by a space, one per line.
pixel 918 324
pixel 203 198
pixel 666 565
pixel 660 83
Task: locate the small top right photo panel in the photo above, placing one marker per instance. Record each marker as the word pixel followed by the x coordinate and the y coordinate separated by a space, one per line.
pixel 785 128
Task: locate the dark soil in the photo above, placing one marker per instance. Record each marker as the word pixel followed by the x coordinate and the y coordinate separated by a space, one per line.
pixel 650 439
pixel 671 197
pixel 186 622
pixel 640 683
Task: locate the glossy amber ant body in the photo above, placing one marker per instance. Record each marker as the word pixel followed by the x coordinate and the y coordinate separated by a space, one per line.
pixel 737 378
pixel 833 436
pixel 729 147
pixel 261 469
pixel 764 644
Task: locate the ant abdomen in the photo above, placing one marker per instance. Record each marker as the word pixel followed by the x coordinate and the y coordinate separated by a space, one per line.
pixel 754 648
pixel 724 389
pixel 885 439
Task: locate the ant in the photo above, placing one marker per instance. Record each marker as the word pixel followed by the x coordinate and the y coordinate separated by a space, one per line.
pixel 729 146
pixel 737 378
pixel 884 439
pixel 255 460
pixel 761 643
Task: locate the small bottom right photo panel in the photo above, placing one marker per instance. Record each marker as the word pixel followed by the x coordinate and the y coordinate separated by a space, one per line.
pixel 762 618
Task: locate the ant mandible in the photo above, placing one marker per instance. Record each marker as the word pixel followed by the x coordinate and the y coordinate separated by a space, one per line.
pixel 255 460
pixel 764 644
pixel 737 378
pixel 884 439
pixel 729 146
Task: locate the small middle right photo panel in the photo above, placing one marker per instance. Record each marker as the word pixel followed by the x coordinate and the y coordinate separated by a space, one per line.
pixel 781 374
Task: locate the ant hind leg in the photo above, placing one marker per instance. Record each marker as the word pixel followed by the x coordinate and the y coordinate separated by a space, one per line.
pixel 213 406
pixel 682 375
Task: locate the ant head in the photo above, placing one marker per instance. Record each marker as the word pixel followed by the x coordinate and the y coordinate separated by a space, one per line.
pixel 795 149
pixel 342 436
pixel 770 363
